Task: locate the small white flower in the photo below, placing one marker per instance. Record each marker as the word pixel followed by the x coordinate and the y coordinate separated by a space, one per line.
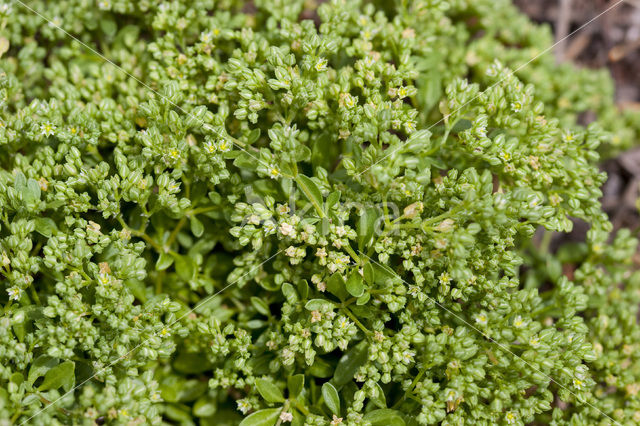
pixel 407 356
pixel 210 147
pixel 206 37
pixel 518 322
pixel 568 137
pixel 511 417
pixel 287 229
pixel 516 106
pixel 336 420
pixel 254 219
pixel 274 172
pixel 321 65
pixel 224 145
pixel 369 61
pixel 481 319
pixel 534 341
pixel 47 129
pixel 286 416
pixel 14 293
pixel 348 100
pixel 290 251
pixel 55 22
pixel 104 278
pixel 410 126
pixel 444 278
pixel 344 323
pixel 243 405
pixel 104 4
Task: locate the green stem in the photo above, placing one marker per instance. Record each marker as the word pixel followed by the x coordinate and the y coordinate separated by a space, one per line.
pixel 356 321
pixel 159 277
pixel 202 210
pixel 34 294
pixel 142 235
pixel 307 192
pixel 352 253
pixel 413 385
pixel 174 234
pixel 547 236
pixel 302 408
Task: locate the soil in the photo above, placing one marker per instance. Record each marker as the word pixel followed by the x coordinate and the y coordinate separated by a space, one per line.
pixel 597 34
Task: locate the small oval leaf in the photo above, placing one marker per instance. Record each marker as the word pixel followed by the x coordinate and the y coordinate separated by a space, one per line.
pixel 331 398
pixel 267 417
pixel 269 391
pixel 384 417
pixel 295 385
pixel 355 284
pixel 61 375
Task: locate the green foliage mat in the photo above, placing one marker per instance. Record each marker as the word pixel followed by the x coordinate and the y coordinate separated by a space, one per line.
pixel 271 212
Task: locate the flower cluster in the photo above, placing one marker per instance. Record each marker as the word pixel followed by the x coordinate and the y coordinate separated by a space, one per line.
pixel 309 212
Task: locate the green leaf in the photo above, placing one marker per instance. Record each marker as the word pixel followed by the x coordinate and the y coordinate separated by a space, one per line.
pixel 61 375
pixel 355 284
pixel 205 406
pixel 129 34
pixel 197 228
pixel 191 363
pixel 46 226
pixel 269 391
pixel 185 267
pixel 289 293
pixel 380 400
pixel 337 287
pixel 320 368
pixel 462 125
pixel 302 153
pixel 40 366
pixel 331 397
pixel 429 89
pixel 417 141
pixel 362 300
pixel 267 417
pixel 17 378
pixel 310 189
pixel 191 390
pixel 31 192
pixel 295 384
pixel 382 275
pixel 318 305
pixel 366 227
pixel 164 261
pixel 260 306
pixel 384 417
pixel 253 136
pixel 245 161
pixel 108 26
pixel 303 289
pixel 350 362
pixel 332 200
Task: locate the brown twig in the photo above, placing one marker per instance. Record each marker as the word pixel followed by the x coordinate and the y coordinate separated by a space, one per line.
pixel 562 28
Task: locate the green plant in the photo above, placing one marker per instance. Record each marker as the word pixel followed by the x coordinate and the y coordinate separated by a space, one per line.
pixel 278 211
